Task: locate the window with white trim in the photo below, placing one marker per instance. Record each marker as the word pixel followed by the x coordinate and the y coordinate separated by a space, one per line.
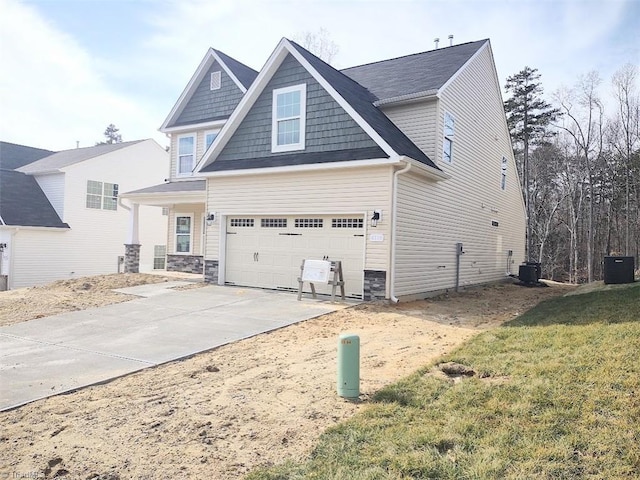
pixel 102 195
pixel 184 233
pixel 503 176
pixel 215 81
pixel 289 118
pixel 159 257
pixel 447 144
pixel 186 154
pixel 209 137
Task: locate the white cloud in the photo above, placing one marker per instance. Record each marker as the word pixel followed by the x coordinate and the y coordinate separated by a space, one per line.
pixel 53 95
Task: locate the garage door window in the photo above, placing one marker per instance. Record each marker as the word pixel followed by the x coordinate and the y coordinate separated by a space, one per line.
pixel 308 223
pixel 183 234
pixel 347 223
pixel 273 223
pixel 241 222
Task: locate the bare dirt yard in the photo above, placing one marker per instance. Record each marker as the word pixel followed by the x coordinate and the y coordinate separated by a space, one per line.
pixel 252 403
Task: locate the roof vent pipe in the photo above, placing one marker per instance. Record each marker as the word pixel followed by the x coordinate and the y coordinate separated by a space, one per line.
pixel 450 40
pixel 436 40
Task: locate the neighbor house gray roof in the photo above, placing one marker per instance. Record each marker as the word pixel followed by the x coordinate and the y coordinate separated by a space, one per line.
pixel 174 187
pixel 412 74
pixel 22 201
pixel 65 158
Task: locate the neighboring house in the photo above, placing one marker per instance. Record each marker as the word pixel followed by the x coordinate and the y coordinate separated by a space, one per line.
pixel 210 97
pixel 60 215
pixel 402 169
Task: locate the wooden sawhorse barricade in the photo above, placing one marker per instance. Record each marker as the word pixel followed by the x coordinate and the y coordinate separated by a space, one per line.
pixel 319 271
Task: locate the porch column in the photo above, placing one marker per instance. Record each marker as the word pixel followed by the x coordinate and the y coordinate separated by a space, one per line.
pixel 132 247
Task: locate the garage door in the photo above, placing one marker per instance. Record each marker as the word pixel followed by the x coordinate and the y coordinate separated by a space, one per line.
pixel 267 252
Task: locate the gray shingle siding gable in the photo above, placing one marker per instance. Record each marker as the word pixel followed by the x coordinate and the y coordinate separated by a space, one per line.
pixel 328 126
pixel 207 105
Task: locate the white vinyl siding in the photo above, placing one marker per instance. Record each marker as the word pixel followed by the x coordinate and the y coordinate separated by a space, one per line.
pixel 340 192
pixel 434 216
pixel 53 187
pixel 418 121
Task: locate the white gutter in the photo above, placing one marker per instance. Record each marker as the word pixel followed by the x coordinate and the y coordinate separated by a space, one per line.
pixel 394 210
pixel 408 98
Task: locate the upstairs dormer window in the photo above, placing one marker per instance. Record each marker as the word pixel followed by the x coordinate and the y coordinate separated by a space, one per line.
pixel 186 155
pixel 215 81
pixel 209 137
pixel 449 130
pixel 288 118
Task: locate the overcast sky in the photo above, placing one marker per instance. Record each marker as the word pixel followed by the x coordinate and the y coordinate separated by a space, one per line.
pixel 71 67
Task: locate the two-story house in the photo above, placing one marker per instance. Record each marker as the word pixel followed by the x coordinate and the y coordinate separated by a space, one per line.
pixel 61 215
pixel 401 169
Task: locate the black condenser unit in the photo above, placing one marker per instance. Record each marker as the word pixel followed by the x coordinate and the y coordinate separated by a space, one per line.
pixel 618 269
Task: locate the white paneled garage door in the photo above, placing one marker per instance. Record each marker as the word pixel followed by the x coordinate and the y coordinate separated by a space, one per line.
pixel 267 252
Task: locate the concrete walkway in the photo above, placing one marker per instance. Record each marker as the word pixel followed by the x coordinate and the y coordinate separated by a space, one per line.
pixel 61 353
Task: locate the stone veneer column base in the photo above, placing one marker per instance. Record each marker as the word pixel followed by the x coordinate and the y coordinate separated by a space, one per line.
pixel 375 285
pixel 211 271
pixel 131 258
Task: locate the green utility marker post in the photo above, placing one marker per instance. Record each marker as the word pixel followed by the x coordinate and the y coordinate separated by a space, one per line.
pixel 348 366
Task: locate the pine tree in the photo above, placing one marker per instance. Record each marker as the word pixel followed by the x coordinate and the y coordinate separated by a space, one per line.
pixel 111 134
pixel 528 116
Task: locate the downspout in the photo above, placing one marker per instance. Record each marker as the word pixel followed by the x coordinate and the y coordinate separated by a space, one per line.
pixel 12 259
pixel 394 210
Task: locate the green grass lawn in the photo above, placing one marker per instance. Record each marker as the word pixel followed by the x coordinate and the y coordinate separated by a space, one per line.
pixel 556 395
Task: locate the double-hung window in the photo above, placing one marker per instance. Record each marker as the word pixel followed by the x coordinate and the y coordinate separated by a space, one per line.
pixel 102 195
pixel 209 137
pixel 186 154
pixel 447 144
pixel 288 118
pixel 184 233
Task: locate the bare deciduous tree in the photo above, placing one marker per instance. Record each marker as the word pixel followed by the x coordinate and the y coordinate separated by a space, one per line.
pixel 319 43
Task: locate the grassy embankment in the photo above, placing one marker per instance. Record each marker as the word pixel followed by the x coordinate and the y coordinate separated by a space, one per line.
pixel 556 395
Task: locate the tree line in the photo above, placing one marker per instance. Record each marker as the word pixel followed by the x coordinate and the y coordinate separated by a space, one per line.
pixel 579 165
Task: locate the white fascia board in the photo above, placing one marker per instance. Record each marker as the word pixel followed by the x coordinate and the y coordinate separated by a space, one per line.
pixel 374 162
pixel 206 62
pixel 462 68
pixel 194 126
pixel 28 227
pixel 164 199
pixel 341 101
pixel 210 57
pixel 425 170
pixel 405 99
pixel 245 105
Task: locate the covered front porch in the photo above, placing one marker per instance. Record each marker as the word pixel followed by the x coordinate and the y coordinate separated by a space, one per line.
pixel 183 202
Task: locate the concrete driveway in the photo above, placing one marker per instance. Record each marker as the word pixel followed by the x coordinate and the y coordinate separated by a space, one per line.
pixel 61 353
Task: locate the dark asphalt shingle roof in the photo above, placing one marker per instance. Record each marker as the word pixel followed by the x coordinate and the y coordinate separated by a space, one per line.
pixel 362 100
pixel 420 72
pixel 13 156
pixel 244 74
pixel 73 156
pixel 287 160
pixel 22 201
